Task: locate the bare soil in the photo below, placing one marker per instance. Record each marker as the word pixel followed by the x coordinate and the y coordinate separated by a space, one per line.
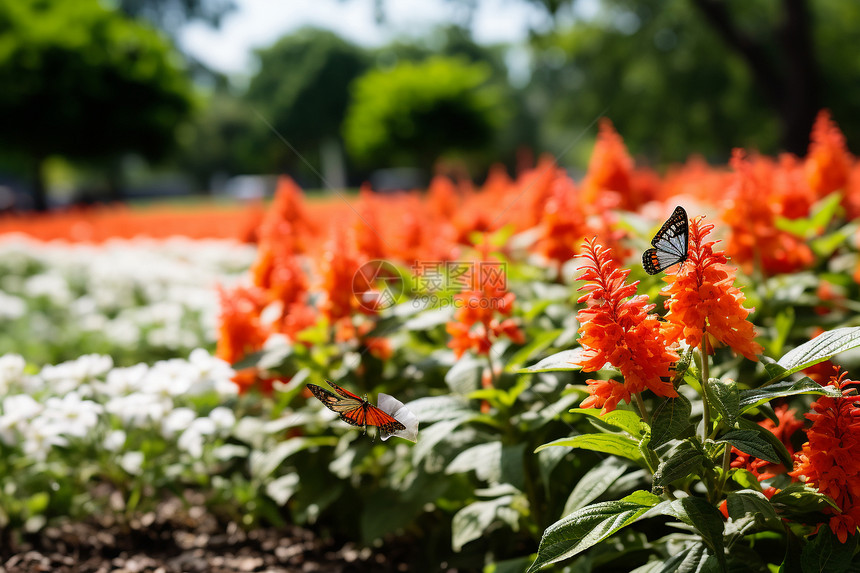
pixel 179 539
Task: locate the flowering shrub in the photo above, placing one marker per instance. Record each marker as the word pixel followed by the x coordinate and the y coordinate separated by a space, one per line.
pixel 577 411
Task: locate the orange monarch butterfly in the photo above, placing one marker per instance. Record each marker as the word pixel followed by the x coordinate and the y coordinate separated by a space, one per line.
pixel 670 244
pixel 354 410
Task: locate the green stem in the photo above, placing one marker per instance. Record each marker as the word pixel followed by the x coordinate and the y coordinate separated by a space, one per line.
pixel 492 372
pixel 727 460
pixel 643 411
pixel 703 351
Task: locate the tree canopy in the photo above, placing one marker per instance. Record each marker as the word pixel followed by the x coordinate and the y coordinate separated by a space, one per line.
pixel 412 112
pixel 90 91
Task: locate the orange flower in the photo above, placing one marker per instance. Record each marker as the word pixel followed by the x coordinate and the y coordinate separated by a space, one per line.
pixel 702 297
pixel 828 163
pixel 615 327
pixel 829 458
pixel 750 210
pixel 476 323
pixel 366 227
pixel 240 331
pixel 563 225
pixel 339 265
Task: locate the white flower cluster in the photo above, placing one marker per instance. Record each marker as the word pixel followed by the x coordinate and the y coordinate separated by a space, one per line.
pixel 158 292
pixel 89 401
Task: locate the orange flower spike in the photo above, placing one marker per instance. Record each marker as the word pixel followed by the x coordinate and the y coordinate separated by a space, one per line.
pixel 616 328
pixel 339 266
pixel 828 460
pixel 702 297
pixel 828 164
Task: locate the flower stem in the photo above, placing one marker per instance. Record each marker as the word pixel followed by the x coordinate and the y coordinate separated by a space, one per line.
pixel 643 412
pixel 492 371
pixel 727 460
pixel 703 351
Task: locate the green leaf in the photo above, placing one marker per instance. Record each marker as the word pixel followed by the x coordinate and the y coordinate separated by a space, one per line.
pixel 626 420
pixel 750 502
pixel 725 398
pixel 548 460
pixel 750 442
pixel 684 460
pixel 798 498
pixel 702 516
pixel 671 420
pixel 594 483
pixel 590 525
pixel 606 443
pixel 484 459
pixel 465 375
pixel 820 215
pixel 534 347
pixel 756 396
pixel 472 521
pixel 820 348
pixel 826 245
pixel 825 553
pixel 692 559
pixel 778 447
pixel 437 408
pixel 266 359
pixel 262 464
pixel 564 361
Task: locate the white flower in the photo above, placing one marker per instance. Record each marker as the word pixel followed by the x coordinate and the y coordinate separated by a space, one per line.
pixel 42 435
pixel 72 415
pixel 138 409
pixel 11 307
pixel 114 441
pixel 223 418
pixel 18 410
pixel 132 462
pixel 168 378
pixel 208 372
pixel 177 421
pixel 11 370
pixel 123 381
pixel 191 442
pixel 68 376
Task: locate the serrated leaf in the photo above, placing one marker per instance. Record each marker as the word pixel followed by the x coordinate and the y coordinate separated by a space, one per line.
pixel 702 516
pixel 820 348
pixel 756 396
pixel 725 398
pixel 671 419
pixel 484 459
pixel 777 445
pixel 749 502
pixel 624 419
pixel 590 525
pixel 799 498
pixel 437 408
pixel 686 458
pixel 750 442
pixel 465 375
pixel 594 483
pixel 606 443
pixel 533 348
pixel 564 361
pixel 826 554
pixel 472 521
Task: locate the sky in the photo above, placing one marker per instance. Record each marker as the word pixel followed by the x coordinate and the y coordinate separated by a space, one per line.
pixel 259 23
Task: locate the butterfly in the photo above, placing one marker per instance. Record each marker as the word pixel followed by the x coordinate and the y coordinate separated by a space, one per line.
pixel 354 410
pixel 669 244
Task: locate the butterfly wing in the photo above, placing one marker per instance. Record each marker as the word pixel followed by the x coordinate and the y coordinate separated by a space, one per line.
pixel 670 244
pixel 335 403
pixel 344 393
pixel 376 417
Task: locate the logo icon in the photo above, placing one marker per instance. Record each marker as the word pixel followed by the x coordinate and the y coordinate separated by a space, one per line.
pixel 377 285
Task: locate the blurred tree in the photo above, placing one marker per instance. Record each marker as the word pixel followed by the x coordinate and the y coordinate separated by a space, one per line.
pixel 413 113
pixel 84 82
pixel 301 92
pixel 792 53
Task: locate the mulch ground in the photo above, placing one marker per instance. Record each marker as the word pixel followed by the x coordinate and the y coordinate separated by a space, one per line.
pixel 176 538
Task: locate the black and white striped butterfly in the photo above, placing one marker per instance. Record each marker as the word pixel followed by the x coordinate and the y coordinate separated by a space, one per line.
pixel 670 244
